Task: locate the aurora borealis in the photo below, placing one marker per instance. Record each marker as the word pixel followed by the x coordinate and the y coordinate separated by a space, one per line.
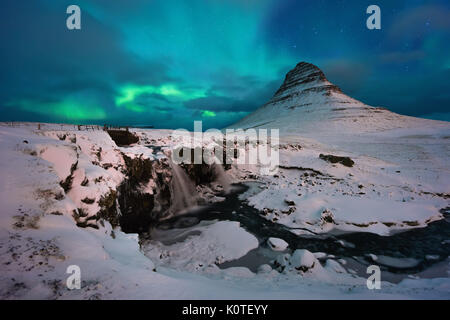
pixel 168 63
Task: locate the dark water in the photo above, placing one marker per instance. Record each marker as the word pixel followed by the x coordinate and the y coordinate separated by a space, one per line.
pixel 155 149
pixel 412 247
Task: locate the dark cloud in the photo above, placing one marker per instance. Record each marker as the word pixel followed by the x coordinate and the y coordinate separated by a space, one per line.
pixel 219 103
pixel 154 102
pixel 349 75
pixel 41 57
pixel 410 23
pixel 254 98
pixel 414 96
pixel 402 57
pixel 404 66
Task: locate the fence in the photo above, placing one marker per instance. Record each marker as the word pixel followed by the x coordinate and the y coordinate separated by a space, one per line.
pixel 63 126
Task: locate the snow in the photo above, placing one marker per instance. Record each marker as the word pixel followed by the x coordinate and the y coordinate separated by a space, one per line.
pixel 400 180
pixel 277 244
pixel 36 223
pixel 392 186
pixel 207 243
pixel 303 258
pixel 335 266
pixel 397 262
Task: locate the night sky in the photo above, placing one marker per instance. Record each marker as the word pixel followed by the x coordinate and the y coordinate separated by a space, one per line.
pixel 168 62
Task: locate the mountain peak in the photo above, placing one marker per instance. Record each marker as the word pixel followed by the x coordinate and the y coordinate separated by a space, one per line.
pixel 305 72
pixel 305 78
pixel 307 104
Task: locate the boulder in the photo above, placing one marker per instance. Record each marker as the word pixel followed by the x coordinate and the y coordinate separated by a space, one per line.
pixel 303 260
pixel 277 244
pixel 345 161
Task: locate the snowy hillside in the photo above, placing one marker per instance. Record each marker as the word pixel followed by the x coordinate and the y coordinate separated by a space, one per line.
pixel 63 191
pixel 308 104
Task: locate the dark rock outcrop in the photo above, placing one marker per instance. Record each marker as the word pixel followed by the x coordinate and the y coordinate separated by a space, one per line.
pixel 147 194
pixel 201 172
pixel 123 137
pixel 305 78
pixel 345 161
pixel 140 208
pixel 66 184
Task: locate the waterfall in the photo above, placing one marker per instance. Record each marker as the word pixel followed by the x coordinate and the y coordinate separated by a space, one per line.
pixel 184 194
pixel 221 177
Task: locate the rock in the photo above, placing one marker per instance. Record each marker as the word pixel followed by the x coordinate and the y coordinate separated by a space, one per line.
pixel 289 202
pixel 289 210
pixel 277 244
pixel 123 137
pixel 282 261
pixel 326 217
pixel 88 200
pixel 303 74
pixel 346 161
pixel 303 260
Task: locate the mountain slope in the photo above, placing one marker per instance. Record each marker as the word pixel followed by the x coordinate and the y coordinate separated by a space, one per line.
pixel 307 103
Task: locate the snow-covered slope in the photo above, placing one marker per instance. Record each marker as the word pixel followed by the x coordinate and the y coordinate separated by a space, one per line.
pixel 308 104
pixel 40 237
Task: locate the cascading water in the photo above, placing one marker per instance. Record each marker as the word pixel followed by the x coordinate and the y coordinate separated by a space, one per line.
pixel 184 193
pixel 221 177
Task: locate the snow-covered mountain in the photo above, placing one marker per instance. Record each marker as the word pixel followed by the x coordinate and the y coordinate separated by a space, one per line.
pixel 350 177
pixel 308 104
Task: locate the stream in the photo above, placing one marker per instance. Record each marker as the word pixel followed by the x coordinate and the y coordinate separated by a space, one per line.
pixel 419 252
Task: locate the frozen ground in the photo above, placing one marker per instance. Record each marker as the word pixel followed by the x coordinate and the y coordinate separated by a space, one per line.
pixel 399 181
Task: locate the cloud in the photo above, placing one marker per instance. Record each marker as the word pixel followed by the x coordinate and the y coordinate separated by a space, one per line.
pixel 44 61
pixel 402 57
pixel 184 62
pixel 415 96
pixel 349 75
pixel 411 22
pixel 221 103
pixel 443 116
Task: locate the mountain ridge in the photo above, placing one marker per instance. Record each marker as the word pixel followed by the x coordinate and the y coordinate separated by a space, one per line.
pixel 307 103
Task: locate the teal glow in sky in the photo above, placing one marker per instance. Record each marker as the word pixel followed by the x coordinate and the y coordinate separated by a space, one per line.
pixel 168 63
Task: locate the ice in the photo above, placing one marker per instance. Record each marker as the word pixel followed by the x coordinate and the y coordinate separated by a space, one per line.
pixel 214 242
pixel 397 262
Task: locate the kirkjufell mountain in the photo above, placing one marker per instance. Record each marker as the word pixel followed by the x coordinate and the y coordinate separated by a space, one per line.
pixel 308 103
